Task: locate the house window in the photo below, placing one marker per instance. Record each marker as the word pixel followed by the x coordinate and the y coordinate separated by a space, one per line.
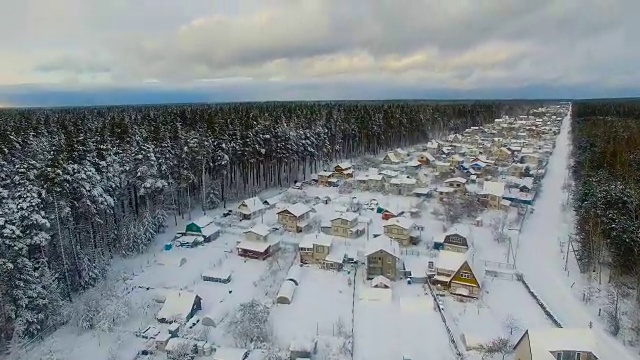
pixel 465 275
pixel 559 356
pixel 389 260
pixel 578 355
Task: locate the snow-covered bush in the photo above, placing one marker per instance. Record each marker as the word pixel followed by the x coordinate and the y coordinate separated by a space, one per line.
pixel 101 308
pixel 250 325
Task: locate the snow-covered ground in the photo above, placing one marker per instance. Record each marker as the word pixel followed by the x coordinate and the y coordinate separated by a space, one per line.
pixel 542 240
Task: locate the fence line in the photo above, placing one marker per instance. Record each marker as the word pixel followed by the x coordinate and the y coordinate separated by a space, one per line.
pixel 452 339
pixel 545 309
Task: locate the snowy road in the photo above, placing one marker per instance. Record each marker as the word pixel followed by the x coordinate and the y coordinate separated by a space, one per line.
pixel 539 256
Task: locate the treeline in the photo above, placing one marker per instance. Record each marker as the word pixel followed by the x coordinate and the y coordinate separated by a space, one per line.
pixel 80 186
pixel 606 196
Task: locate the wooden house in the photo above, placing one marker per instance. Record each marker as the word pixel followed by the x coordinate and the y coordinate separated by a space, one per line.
pixel 391 159
pixel 491 194
pixel 251 208
pixel 443 194
pixel 383 257
pixel 455 161
pixel 456 273
pixel 517 170
pixel 346 225
pixel 295 218
pixel 399 229
pixel 457 239
pixel 324 177
pixel 259 232
pixel 314 248
pixel 559 343
pixel 375 182
pixel 425 158
pixel 442 167
pixel 362 182
pixel 503 154
pixel 343 170
pixel 259 250
pixel 179 306
pixel 401 185
pixel 458 184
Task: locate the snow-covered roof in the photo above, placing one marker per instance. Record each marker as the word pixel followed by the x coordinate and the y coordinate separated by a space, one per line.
pixel 372 171
pixel 392 157
pixel 543 341
pixel 381 281
pixel 401 151
pixel 345 165
pixel 325 173
pixel 273 200
pixel 493 188
pixel 297 209
pixel 287 289
pixel 349 216
pixel 445 189
pixel 456 179
pixel 336 256
pixel 216 274
pixel 384 243
pixel 389 173
pixel 450 260
pixel 210 230
pixel 177 306
pixel 176 343
pixel 302 345
pixel 294 274
pixel 375 177
pixel 227 353
pixel 260 229
pixel 432 144
pixel 460 229
pixel 362 177
pixel 189 239
pixel 413 163
pixel 422 191
pixel 319 239
pixel 257 246
pixel 402 222
pixel 202 221
pixel 253 204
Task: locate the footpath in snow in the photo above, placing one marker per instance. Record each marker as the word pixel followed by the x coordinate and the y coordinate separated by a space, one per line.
pixel 539 257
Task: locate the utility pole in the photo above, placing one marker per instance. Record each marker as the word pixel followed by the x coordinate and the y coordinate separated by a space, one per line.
pixel 566 259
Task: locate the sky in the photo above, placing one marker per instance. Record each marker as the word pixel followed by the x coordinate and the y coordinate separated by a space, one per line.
pixel 60 52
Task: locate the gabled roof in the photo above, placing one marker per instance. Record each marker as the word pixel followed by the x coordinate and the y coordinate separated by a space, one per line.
pixel 543 341
pixel 202 221
pixel 402 222
pixel 456 179
pixel 210 230
pixel 254 204
pixel 392 157
pixel 177 306
pixel 318 239
pixel 493 188
pixel 459 229
pixel 344 165
pixel 383 243
pixel 349 216
pixel 325 173
pixel 297 209
pixel 450 260
pixel 259 229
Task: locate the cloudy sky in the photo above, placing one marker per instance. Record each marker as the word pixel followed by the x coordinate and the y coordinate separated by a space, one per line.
pixel 199 50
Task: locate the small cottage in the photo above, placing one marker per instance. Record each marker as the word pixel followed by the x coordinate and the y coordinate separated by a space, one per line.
pixel 458 184
pixel 324 177
pixel 259 250
pixel 179 306
pixel 251 208
pixel 399 229
pixel 425 158
pixel 457 273
pixel 456 239
pixel 391 159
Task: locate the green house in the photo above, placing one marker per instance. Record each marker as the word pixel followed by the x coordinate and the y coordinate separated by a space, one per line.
pixel 205 227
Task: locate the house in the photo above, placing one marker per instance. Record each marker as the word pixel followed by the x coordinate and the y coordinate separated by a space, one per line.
pixel 381 282
pixel 324 177
pixel 314 248
pixel 259 232
pixel 343 170
pixel 442 167
pixel 503 154
pixel 433 147
pixel 399 229
pixel 271 202
pixel 558 343
pixel 413 164
pixel 445 193
pixel 391 159
pixel 259 250
pixel 402 185
pixel 457 239
pixel 295 218
pixel 346 225
pixel 362 182
pixel 195 227
pixel 455 161
pixel 532 159
pixel 401 154
pixel 383 257
pixel 251 208
pixel 491 194
pixel 456 273
pixel 518 170
pixel 425 158
pixel 457 184
pixel 375 182
pixel 478 166
pixel 179 306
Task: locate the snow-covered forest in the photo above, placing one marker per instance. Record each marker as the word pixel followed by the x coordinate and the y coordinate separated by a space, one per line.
pixel 81 186
pixel 606 197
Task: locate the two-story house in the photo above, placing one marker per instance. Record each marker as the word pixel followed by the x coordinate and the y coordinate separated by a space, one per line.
pixel 295 218
pixel 425 158
pixel 444 194
pixel 257 244
pixel 457 183
pixel 399 229
pixel 343 170
pixel 558 344
pixel 383 258
pixel 491 194
pixel 324 177
pixel 345 224
pixel 314 248
pixel 456 273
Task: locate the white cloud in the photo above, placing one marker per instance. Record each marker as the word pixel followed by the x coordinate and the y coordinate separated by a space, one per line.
pixel 427 43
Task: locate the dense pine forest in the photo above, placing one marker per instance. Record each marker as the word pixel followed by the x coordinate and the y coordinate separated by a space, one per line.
pixel 606 143
pixel 80 186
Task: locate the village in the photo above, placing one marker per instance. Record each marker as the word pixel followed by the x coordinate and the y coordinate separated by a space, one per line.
pixel 409 255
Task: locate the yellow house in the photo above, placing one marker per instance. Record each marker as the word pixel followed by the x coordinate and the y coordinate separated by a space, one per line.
pixel 442 167
pixel 558 343
pixel 491 193
pixel 455 161
pixel 399 229
pixel 458 184
pixel 295 218
pixel 456 273
pixel 444 193
pixel 346 225
pixel 314 248
pixel 323 177
pixel 425 158
pixel 516 170
pixel 503 154
pixel 259 232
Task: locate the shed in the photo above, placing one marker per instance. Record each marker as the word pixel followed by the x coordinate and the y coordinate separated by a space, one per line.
pixel 219 276
pixel 196 225
pixel 285 295
pixel 294 274
pixel 189 241
pixel 229 353
pixel 179 306
pixel 210 232
pixel 381 282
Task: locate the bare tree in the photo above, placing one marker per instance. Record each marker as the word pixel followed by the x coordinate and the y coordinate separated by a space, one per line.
pixel 511 324
pixel 498 228
pixel 453 211
pixel 612 311
pixel 498 346
pixel 250 325
pixel 183 351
